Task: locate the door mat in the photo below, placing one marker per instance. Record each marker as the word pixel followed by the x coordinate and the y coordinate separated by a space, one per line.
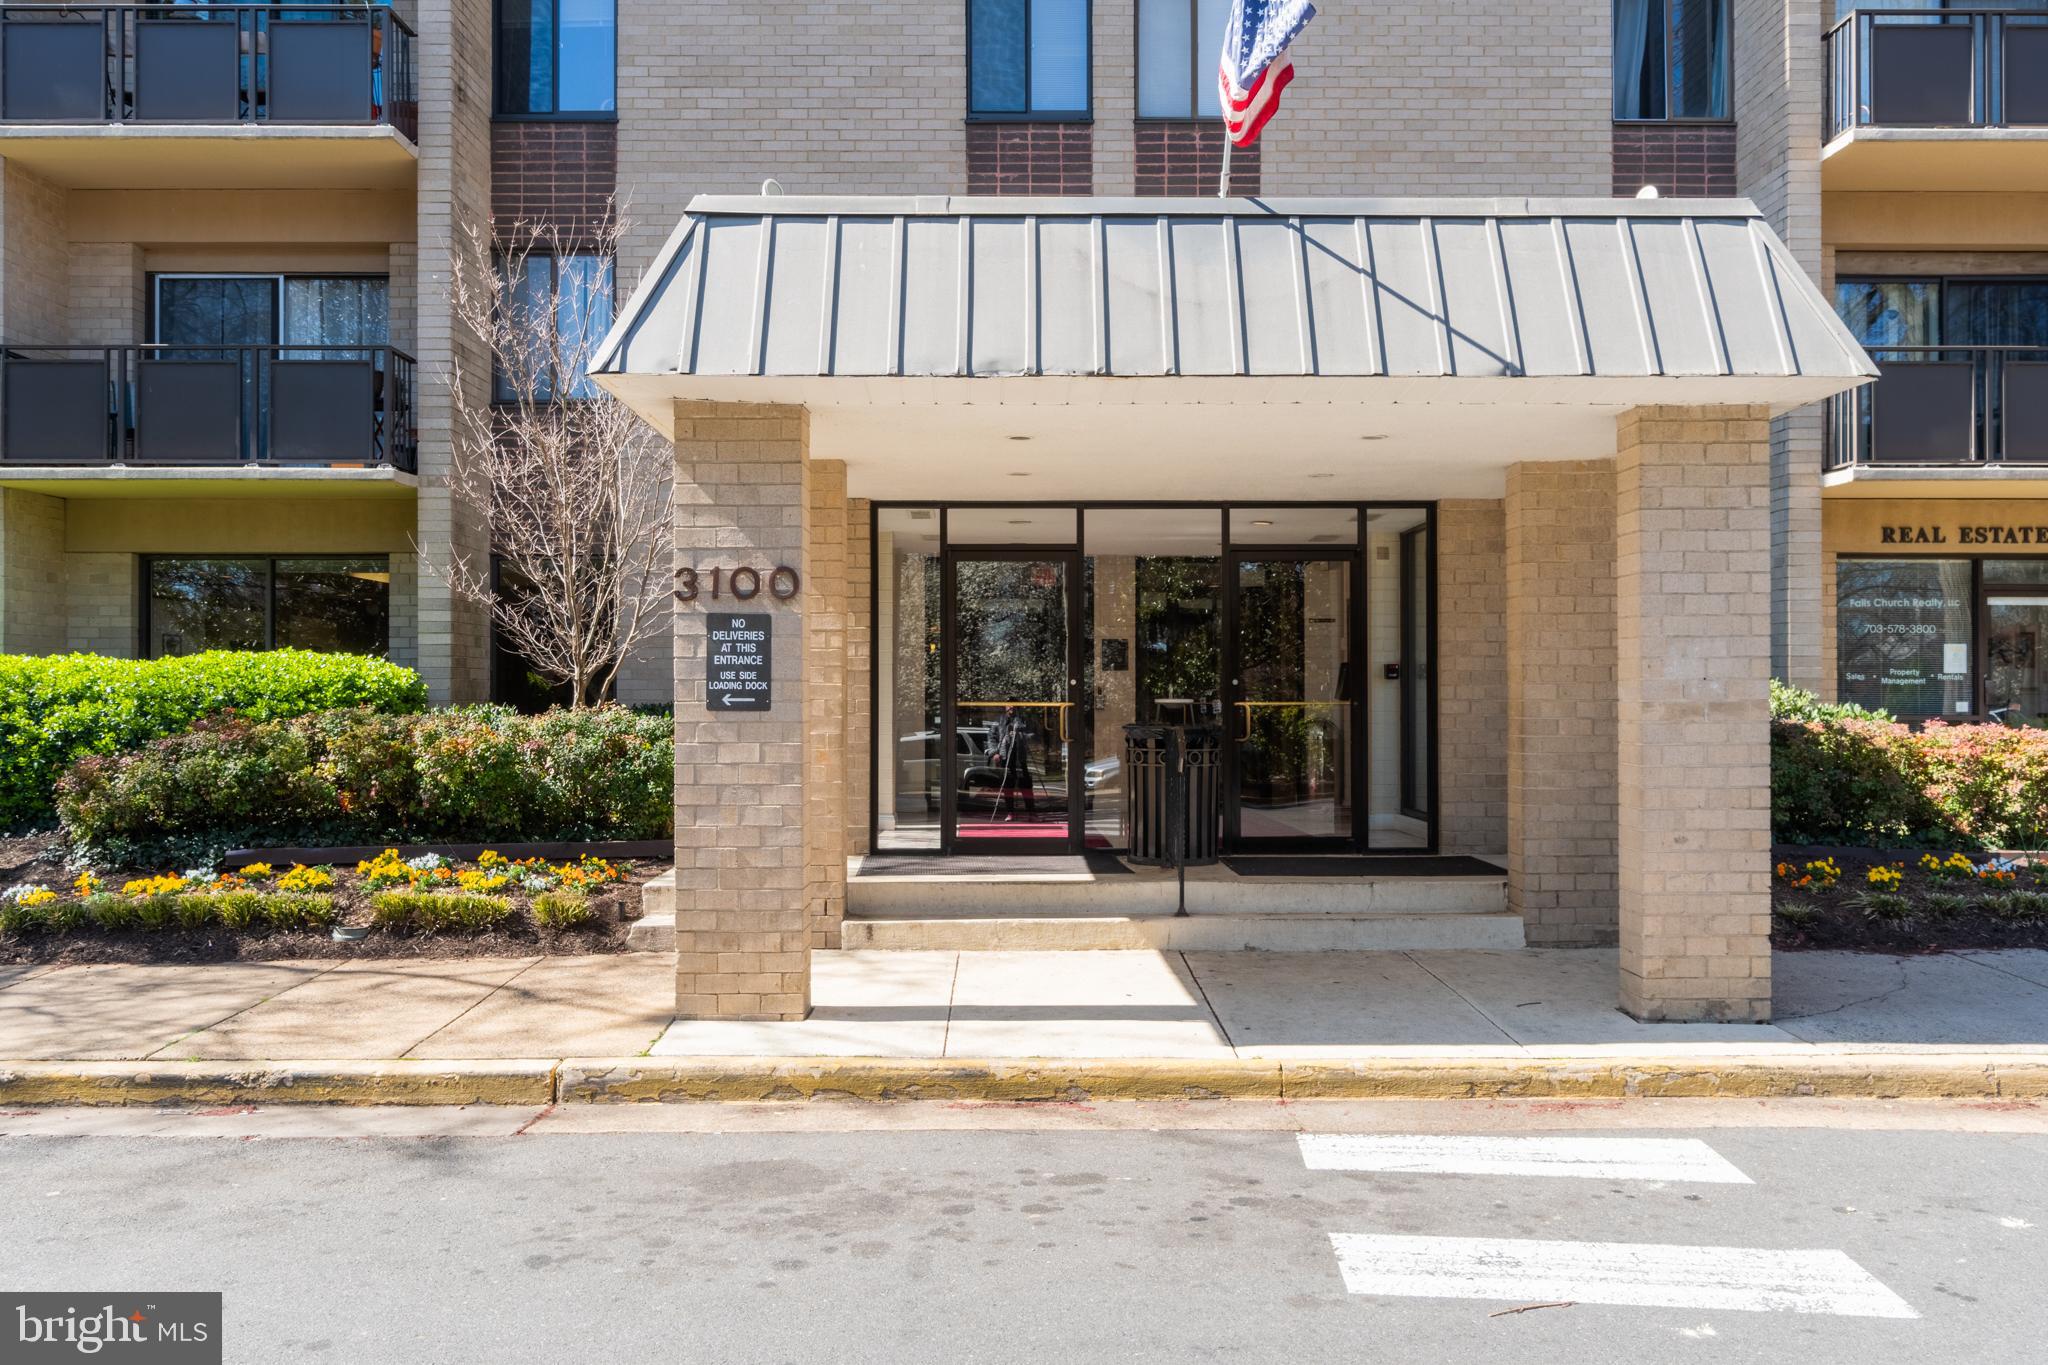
pixel 969 865
pixel 1447 865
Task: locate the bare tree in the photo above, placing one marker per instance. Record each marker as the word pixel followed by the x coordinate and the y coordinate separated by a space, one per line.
pixel 578 488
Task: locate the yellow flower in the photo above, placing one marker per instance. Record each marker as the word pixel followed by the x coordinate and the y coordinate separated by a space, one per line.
pixel 480 880
pixel 42 895
pixel 161 885
pixel 303 878
pixel 1885 878
pixel 86 884
pixel 490 857
pixel 257 871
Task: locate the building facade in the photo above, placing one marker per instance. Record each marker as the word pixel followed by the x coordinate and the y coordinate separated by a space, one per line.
pixel 227 419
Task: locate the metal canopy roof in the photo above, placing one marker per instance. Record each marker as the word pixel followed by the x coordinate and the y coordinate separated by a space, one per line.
pixel 966 288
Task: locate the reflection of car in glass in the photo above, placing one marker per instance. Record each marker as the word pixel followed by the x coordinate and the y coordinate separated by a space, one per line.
pixel 917 762
pixel 1103 775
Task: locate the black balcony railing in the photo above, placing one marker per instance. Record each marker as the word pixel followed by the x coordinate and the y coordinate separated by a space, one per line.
pixel 1937 68
pixel 299 64
pixel 1945 405
pixel 344 406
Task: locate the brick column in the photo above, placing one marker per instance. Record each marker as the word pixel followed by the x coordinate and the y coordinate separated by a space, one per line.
pixel 860 736
pixel 825 628
pixel 743 885
pixel 1560 700
pixel 1693 570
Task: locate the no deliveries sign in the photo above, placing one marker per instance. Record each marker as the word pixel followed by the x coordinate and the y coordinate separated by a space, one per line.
pixel 739 673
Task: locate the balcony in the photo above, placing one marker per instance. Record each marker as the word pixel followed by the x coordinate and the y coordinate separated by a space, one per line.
pixel 1962 415
pixel 1936 99
pixel 76 417
pixel 146 96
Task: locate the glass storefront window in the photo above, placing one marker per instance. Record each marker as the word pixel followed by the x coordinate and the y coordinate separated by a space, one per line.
pixel 908 707
pixel 201 604
pixel 1294 526
pixel 1154 613
pixel 1010 526
pixel 1903 635
pixel 340 605
pixel 1397 676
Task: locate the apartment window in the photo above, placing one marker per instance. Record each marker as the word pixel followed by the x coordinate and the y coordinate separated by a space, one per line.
pixel 557 58
pixel 1670 59
pixel 561 307
pixel 336 604
pixel 1179 42
pixel 1944 312
pixel 1027 59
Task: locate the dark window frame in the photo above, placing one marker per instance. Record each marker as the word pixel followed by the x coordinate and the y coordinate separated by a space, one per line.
pixel 500 114
pixel 1941 285
pixel 1669 118
pixel 501 393
pixel 1194 70
pixel 147 598
pixel 1086 114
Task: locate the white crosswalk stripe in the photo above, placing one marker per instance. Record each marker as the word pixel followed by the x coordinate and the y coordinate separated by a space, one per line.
pixel 1636 1274
pixel 1670 1159
pixel 1526 1270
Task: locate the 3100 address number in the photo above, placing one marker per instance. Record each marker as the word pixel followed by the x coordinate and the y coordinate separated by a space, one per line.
pixel 742 584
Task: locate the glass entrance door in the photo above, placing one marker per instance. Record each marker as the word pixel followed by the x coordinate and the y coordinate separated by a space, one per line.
pixel 1012 682
pixel 1289 739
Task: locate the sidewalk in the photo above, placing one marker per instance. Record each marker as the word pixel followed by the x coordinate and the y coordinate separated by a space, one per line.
pixel 932 1022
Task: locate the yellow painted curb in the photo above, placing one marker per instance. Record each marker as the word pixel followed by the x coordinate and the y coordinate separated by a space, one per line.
pixel 518 1081
pixel 1859 1076
pixel 613 1081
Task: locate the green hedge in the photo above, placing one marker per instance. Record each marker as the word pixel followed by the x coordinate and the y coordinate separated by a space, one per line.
pixel 463 774
pixel 1843 776
pixel 57 709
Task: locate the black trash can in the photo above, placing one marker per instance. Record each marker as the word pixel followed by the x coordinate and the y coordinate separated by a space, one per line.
pixel 1173 790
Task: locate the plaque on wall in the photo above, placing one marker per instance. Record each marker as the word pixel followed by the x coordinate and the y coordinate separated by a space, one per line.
pixel 739 671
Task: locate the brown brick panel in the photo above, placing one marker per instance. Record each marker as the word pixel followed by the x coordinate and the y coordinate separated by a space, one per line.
pixel 1030 158
pixel 560 173
pixel 1683 160
pixel 1180 158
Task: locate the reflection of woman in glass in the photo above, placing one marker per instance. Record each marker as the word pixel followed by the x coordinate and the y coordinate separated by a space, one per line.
pixel 1010 747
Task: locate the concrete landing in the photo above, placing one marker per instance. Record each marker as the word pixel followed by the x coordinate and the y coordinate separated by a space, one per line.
pixel 1061 904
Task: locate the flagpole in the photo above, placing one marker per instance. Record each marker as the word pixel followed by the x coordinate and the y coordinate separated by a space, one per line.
pixel 1223 189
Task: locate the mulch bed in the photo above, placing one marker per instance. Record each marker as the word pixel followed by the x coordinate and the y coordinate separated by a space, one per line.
pixel 1835 917
pixel 40 858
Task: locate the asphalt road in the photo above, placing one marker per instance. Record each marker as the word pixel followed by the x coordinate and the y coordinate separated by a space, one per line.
pixel 1067 1240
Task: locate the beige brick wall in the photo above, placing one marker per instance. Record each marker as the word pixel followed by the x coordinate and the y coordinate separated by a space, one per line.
pixel 743 873
pixel 34 260
pixel 1692 560
pixel 404 627
pixel 1471 674
pixel 454 190
pixel 825 621
pixel 1414 97
pixel 107 290
pixel 1561 700
pixel 1779 78
pixel 31 573
pixel 103 614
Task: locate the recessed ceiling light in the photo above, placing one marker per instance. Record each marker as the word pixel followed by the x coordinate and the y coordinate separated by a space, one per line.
pixel 1261 522
pixel 1020 438
pixel 1020 473
pixel 1322 476
pixel 1380 437
pixel 1020 521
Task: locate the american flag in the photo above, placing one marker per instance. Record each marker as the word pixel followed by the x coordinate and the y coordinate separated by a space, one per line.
pixel 1256 66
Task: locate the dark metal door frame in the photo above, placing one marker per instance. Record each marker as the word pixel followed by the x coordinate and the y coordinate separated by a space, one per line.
pixel 1232 690
pixel 1068 557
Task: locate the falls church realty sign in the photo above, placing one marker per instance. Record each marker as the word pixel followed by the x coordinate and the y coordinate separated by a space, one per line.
pixel 1963 535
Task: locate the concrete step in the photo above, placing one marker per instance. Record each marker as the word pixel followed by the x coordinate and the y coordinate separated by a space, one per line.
pixel 1264 931
pixel 1210 891
pixel 655 930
